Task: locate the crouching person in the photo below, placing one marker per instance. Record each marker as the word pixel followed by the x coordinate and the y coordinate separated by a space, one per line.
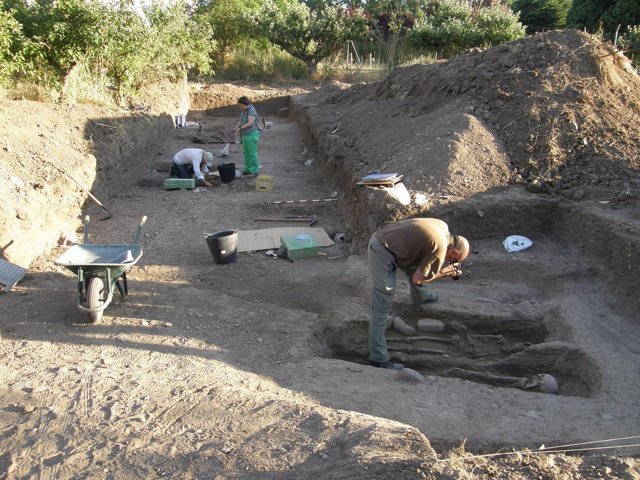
pixel 192 162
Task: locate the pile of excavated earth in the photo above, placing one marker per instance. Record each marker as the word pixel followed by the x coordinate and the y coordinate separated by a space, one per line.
pixel 257 368
pixel 556 113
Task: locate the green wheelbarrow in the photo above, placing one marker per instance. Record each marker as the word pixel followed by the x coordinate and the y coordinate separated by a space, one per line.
pixel 101 269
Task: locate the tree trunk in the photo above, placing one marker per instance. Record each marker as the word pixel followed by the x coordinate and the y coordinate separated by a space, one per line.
pixel 66 95
pixel 312 68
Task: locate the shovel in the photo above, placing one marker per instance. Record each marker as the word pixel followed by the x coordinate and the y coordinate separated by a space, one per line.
pixel 66 172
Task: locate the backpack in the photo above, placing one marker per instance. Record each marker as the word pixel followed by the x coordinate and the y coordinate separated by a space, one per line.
pixel 260 122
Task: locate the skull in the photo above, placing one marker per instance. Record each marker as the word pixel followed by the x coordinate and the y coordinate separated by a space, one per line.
pixel 544 382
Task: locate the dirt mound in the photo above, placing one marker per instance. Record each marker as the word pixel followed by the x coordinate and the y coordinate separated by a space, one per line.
pixel 557 112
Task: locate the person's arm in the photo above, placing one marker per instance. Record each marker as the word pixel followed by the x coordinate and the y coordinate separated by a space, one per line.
pixel 205 167
pixel 196 168
pixel 447 271
pixel 250 121
pixel 430 269
pixel 198 173
pixel 238 129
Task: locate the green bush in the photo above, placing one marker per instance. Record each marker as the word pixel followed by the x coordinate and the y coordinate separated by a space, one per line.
pixel 11 39
pixel 285 67
pixel 454 26
pixel 255 61
pixel 630 41
pixel 59 44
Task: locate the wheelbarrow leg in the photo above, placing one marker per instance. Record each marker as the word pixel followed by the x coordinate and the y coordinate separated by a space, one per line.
pixel 120 289
pixel 81 286
pixel 124 282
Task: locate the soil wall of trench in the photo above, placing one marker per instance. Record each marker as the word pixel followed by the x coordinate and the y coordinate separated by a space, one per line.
pixel 48 208
pixel 588 230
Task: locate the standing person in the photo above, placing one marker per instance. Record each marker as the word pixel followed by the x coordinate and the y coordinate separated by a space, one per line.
pixel 420 247
pixel 247 131
pixel 190 162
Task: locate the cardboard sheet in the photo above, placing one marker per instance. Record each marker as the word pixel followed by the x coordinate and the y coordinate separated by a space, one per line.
pixel 269 238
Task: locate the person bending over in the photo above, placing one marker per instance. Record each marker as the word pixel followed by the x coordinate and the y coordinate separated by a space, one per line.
pixel 192 162
pixel 425 251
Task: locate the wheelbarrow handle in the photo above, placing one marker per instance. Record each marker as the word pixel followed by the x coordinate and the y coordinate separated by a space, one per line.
pixel 142 222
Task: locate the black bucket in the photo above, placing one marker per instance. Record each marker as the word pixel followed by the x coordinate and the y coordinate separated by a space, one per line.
pixel 227 172
pixel 223 246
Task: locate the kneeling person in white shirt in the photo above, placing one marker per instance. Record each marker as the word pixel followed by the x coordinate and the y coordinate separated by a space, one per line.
pixel 192 162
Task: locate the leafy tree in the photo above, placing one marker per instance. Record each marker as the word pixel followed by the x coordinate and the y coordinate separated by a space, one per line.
pixel 346 4
pixel 11 39
pixel 445 29
pixel 540 15
pixel 630 41
pixel 309 35
pixel 61 32
pixel 124 51
pixel 228 21
pixel 622 12
pixel 494 25
pixel 603 14
pixel 390 24
pixel 176 43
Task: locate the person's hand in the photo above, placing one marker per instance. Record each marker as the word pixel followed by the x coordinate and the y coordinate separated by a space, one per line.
pixel 446 270
pixel 449 271
pixel 204 183
pixel 418 277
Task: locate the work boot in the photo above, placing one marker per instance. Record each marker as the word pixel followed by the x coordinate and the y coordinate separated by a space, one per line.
pixel 398 324
pixel 389 365
pixel 431 298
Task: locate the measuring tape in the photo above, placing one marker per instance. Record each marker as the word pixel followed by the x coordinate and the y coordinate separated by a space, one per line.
pixel 315 200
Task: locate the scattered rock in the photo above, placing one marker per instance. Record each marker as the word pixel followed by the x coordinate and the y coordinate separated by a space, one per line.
pixel 430 325
pixel 625 195
pixel 410 375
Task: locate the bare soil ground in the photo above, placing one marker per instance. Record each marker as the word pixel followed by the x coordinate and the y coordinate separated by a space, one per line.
pixel 257 368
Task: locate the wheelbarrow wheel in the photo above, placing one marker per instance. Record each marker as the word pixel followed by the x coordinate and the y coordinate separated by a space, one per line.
pixel 94 298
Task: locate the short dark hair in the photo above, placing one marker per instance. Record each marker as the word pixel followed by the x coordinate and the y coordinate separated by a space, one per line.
pixel 244 101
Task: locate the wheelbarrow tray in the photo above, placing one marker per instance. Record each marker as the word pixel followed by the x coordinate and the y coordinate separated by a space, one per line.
pixel 117 258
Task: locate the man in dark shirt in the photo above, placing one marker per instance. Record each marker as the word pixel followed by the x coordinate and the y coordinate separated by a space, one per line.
pixel 424 250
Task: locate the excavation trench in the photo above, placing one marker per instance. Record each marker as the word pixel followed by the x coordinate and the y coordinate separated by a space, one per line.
pixel 474 336
pixel 526 307
pixel 274 349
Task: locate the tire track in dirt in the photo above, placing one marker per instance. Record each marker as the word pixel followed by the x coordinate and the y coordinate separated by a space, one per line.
pixel 80 405
pixel 46 431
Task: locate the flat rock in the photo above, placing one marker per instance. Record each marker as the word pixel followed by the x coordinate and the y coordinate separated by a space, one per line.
pixel 410 375
pixel 430 325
